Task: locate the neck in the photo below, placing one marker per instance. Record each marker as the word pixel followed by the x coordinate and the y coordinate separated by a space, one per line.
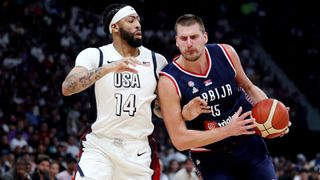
pixel 198 66
pixel 124 49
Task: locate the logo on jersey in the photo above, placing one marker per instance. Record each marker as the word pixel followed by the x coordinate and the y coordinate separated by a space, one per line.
pixel 191 84
pixel 207 82
pixel 126 80
pixel 208 125
pixel 145 63
pixel 194 89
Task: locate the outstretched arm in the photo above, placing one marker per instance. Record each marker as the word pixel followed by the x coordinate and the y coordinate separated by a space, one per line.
pixel 80 78
pixel 254 92
pixel 183 138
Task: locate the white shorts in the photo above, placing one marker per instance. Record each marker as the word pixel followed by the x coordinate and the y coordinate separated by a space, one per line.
pixel 114 159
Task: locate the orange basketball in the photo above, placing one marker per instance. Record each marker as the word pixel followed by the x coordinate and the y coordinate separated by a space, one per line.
pixel 271 116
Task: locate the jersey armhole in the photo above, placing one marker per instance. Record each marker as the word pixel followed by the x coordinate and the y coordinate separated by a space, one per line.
pixel 154 59
pixel 226 54
pixel 173 81
pixel 93 104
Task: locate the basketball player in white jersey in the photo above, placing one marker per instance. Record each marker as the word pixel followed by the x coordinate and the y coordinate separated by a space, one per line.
pixel 117 146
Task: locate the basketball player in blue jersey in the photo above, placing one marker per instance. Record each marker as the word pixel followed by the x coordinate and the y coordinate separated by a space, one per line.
pixel 208 81
pixel 124 75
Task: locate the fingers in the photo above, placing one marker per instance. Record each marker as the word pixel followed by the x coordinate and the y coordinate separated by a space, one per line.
pixel 288 108
pixel 244 115
pixel 132 61
pixel 205 109
pixel 286 131
pixel 201 104
pixel 238 112
pixel 200 101
pixel 126 64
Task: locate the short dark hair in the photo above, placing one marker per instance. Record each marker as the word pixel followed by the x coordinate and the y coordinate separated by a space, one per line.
pixel 108 14
pixel 188 20
pixel 42 157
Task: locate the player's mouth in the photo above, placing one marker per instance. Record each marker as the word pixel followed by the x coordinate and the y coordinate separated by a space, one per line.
pixel 138 34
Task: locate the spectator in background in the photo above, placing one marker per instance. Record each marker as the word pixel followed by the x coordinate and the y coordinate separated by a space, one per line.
pixel 70 170
pixel 187 172
pixel 173 168
pixel 19 171
pixel 18 141
pixel 73 146
pixel 54 170
pixel 42 170
pixel 163 175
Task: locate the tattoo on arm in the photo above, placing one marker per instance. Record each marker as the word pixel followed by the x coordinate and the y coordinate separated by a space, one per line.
pixel 80 81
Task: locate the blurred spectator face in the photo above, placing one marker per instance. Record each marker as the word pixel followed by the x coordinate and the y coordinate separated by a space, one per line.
pixel 44 167
pixel 54 169
pixel 72 165
pixel 174 166
pixel 5 139
pixel 189 166
pixel 22 169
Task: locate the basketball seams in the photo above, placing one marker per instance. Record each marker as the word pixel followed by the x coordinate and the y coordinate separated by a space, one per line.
pixel 270 114
pixel 268 123
pixel 282 113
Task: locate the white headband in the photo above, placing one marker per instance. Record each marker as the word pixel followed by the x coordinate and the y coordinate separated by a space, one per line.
pixel 123 12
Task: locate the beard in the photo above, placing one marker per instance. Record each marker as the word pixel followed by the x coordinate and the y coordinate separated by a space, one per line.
pixel 129 38
pixel 191 58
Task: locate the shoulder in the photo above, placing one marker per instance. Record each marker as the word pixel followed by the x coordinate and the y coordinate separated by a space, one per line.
pixel 107 48
pixel 88 58
pixel 227 47
pixel 161 60
pixel 219 46
pixel 89 52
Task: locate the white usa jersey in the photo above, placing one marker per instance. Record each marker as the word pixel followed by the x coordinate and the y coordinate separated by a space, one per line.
pixel 124 99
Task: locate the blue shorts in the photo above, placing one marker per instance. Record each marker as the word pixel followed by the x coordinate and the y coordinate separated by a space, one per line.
pixel 248 159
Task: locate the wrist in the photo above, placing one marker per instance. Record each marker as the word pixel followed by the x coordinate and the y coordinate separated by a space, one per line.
pixel 185 114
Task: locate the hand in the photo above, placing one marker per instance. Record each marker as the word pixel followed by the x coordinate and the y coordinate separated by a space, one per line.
pixel 124 65
pixel 286 131
pixel 194 108
pixel 241 124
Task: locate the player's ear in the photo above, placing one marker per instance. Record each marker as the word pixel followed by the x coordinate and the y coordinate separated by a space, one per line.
pixel 115 26
pixel 176 40
pixel 205 37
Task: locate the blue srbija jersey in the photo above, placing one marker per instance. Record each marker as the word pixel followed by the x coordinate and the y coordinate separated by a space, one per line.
pixel 217 86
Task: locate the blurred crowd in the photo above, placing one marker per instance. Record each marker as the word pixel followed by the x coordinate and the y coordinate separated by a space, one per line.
pixel 40 128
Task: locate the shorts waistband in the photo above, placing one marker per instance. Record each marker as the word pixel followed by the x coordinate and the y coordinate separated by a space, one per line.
pixel 121 139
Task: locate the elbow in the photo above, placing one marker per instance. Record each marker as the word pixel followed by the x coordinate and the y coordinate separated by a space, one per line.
pixel 65 90
pixel 181 148
pixel 180 145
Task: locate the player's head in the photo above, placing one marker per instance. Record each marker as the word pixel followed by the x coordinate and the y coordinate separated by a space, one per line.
pixel 188 20
pixel 122 20
pixel 190 36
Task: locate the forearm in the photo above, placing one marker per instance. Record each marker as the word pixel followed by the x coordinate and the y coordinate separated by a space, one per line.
pixel 194 138
pixel 255 94
pixel 79 81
